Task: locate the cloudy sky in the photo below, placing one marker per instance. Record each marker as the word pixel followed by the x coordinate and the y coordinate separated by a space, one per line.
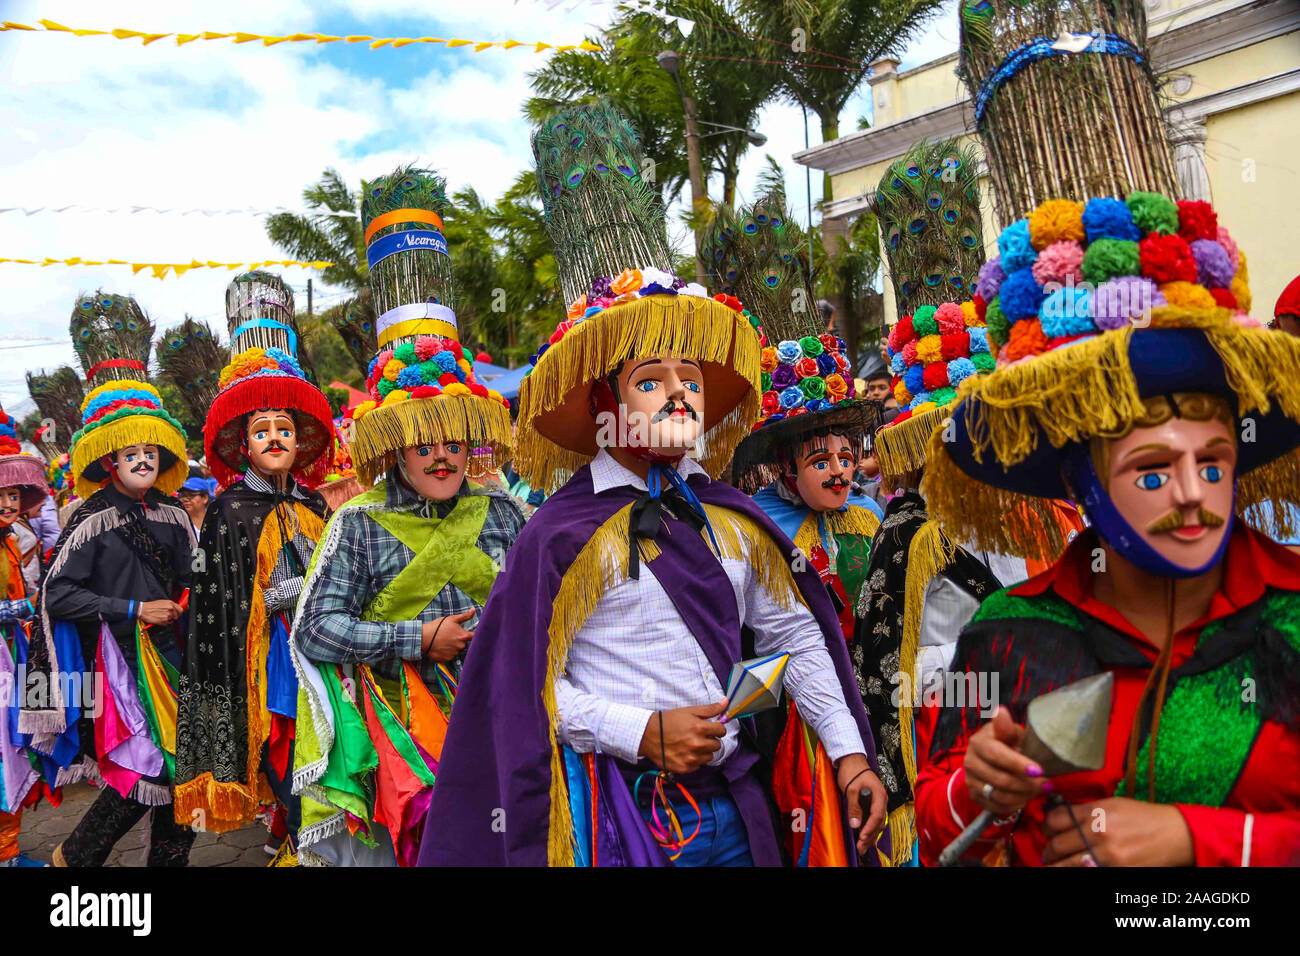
pixel 102 122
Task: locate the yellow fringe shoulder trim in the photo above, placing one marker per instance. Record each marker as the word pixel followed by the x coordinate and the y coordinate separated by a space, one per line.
pixel 928 554
pixel 741 539
pixel 902 834
pixel 129 430
pixel 854 520
pixel 601 564
pixel 380 435
pixel 901 448
pixel 702 329
pixel 1087 390
pixel 229 805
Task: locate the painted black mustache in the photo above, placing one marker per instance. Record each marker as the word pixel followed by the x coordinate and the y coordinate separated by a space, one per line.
pixel 835 483
pixel 274 445
pixel 6 512
pixel 143 468
pixel 440 466
pixel 670 407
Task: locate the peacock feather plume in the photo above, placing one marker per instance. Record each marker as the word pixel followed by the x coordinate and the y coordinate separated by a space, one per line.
pixel 928 206
pixel 760 255
pixel 58 398
pixel 107 326
pixel 355 322
pixel 413 275
pixel 600 212
pixel 191 358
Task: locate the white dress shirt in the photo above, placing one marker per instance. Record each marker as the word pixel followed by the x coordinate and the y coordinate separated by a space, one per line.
pixel 635 655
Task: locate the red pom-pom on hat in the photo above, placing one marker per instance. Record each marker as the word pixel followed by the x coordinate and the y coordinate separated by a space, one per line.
pixel 1197 220
pixel 1225 298
pixel 935 376
pixel 1167 259
pixel 954 346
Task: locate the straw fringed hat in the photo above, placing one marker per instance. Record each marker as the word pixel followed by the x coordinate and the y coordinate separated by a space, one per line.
pixel 604 220
pixel 264 372
pixel 421 381
pixel 18 469
pixel 112 338
pixel 1013 431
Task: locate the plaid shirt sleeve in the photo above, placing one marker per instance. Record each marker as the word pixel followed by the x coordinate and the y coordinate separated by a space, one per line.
pixel 19 610
pixel 330 628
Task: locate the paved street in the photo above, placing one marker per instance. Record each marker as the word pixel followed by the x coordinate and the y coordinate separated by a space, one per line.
pixel 45 827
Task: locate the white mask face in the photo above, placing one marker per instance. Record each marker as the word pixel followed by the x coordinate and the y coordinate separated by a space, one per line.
pixel 137 467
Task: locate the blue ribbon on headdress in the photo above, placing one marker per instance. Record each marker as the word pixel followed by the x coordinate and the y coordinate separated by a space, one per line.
pixel 268 324
pixel 408 240
pixel 1041 49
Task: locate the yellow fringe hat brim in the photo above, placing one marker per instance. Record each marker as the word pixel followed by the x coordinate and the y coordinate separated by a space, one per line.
pixel 1088 390
pixel 380 435
pixel 901 448
pixel 550 400
pixel 118 434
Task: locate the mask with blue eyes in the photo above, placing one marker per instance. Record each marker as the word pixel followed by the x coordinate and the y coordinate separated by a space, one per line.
pixel 1115 529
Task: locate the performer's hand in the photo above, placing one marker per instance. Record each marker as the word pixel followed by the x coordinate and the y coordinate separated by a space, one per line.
pixel 159 612
pixel 856 780
pixel 992 757
pixel 690 737
pixel 451 638
pixel 1122 832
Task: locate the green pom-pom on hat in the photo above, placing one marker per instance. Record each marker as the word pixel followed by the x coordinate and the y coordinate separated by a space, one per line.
pixel 942 396
pixel 923 321
pixel 384 386
pixel 999 327
pixel 406 354
pixel 1111 258
pixel 1153 212
pixel 984 361
pixel 765 381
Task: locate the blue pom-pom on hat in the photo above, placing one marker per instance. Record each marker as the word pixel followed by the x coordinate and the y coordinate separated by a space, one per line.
pixel 1015 248
pixel 1067 311
pixel 914 379
pixel 1106 218
pixel 1020 296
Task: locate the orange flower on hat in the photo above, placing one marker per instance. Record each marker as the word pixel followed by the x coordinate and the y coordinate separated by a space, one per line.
pixel 393 369
pixel 901 394
pixel 578 307
pixel 835 385
pixel 969 315
pixel 929 349
pixel 1054 221
pixel 767 360
pixel 362 410
pixel 456 388
pixel 1189 295
pixel 629 280
pixel 1027 338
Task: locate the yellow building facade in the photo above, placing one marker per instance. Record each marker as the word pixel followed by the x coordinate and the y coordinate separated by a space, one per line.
pixel 1231 89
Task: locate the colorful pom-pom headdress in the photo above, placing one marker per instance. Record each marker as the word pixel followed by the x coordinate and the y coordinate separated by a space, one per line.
pixel 758 254
pixel 19 469
pixel 264 373
pixel 112 338
pixel 611 248
pixel 1099 301
pixel 421 382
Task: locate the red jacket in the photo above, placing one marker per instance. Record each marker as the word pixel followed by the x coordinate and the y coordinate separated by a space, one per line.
pixel 1265 802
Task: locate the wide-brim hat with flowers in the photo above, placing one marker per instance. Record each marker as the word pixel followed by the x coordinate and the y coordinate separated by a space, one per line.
pixel 19 469
pixel 641 313
pixel 423 392
pixel 607 225
pixel 931 352
pixel 261 378
pixel 1096 307
pixel 807 388
pixel 120 413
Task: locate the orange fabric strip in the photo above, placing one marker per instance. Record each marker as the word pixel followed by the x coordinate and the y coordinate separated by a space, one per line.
pixel 403 215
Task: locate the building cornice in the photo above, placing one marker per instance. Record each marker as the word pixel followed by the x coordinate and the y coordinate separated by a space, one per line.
pixel 1194 112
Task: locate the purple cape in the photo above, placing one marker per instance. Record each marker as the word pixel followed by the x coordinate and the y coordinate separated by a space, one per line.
pixel 491 804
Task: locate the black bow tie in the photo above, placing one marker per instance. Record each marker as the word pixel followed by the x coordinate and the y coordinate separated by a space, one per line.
pixel 644 521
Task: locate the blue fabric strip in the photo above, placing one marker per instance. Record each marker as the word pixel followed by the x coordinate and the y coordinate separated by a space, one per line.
pixel 1041 49
pixel 411 239
pixel 268 324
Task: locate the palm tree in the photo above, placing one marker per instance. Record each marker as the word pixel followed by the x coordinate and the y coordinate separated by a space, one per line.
pixel 842 38
pixel 331 235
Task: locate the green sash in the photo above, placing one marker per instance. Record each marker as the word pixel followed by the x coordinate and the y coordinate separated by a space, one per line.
pixel 445 552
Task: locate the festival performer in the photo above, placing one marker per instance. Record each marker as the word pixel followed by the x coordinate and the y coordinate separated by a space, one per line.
pixel 1137 385
pixel 22 488
pixel 269 440
pixel 111 598
pixel 395 588
pixel 597 673
pixel 798 463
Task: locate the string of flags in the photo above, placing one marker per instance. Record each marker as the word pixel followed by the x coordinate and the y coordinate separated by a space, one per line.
pixel 375 43
pixel 245 211
pixel 161 270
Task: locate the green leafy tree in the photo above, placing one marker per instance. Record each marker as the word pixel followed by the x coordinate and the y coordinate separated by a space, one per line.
pixel 330 233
